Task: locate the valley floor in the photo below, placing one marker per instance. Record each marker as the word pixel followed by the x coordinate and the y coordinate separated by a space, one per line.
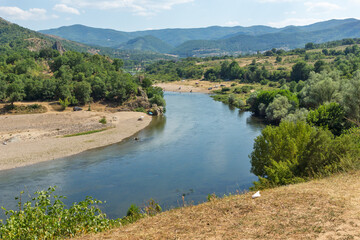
pixel 31 138
pixel 191 85
pixel 320 209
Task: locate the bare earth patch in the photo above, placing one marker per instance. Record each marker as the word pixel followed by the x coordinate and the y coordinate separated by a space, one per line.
pixel 320 209
pixel 192 85
pixel 32 138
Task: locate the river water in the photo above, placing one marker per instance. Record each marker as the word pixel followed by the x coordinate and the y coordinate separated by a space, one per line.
pixel 200 147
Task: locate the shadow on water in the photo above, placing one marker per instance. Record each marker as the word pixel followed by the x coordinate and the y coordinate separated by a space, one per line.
pixel 199 147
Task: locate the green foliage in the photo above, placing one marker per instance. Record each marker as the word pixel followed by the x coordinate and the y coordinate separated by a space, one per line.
pixel 15 91
pixel 158 100
pixel 300 71
pixel 103 120
pixel 300 115
pixel 278 109
pixel 211 197
pixel 329 116
pixel 295 152
pixel 173 71
pixel 140 109
pixel 321 88
pixel 46 217
pixel 152 208
pixel 133 214
pixel 351 97
pixel 82 91
pixel 64 103
pixel 86 133
pixel 259 102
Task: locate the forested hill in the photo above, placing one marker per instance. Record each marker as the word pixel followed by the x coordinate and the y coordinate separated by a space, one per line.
pixel 36 67
pixel 214 40
pixel 16 38
pixel 174 37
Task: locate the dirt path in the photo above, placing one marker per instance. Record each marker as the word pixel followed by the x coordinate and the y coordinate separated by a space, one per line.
pixel 321 209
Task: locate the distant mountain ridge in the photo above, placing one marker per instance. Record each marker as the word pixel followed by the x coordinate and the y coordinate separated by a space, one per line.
pixel 213 40
pixel 13 36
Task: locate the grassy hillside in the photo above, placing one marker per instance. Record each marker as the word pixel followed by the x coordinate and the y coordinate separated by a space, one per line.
pixel 320 209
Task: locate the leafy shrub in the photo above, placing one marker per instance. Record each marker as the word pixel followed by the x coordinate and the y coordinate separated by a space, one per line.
pixel 140 109
pixel 45 217
pixel 295 152
pixel 243 89
pixel 264 82
pixel 260 101
pixel 64 103
pixel 330 116
pixel 158 100
pixel 103 120
pixel 133 214
pixel 152 208
pixel 225 89
pixel 273 84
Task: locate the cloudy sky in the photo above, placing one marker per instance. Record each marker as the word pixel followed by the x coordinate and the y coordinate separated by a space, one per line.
pixel 133 15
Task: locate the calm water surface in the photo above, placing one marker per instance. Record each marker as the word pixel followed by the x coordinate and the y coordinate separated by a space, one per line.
pixel 199 147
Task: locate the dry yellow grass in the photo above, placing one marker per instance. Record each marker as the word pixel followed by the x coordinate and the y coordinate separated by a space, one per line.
pixel 320 209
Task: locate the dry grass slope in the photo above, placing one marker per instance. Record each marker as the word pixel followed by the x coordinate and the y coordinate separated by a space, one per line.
pixel 320 209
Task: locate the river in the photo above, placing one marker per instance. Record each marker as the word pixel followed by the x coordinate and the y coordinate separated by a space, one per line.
pixel 198 148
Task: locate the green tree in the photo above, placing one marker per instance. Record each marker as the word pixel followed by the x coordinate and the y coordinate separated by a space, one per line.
pixel 49 89
pixel 329 116
pixel 158 100
pixel 3 86
pixel 82 91
pixel 320 66
pixel 285 143
pixel 321 88
pixel 15 91
pixel 351 97
pixel 300 71
pixel 278 109
pixel 118 63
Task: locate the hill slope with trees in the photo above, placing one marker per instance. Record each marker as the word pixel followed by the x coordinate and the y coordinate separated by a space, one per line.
pixel 32 70
pixel 216 40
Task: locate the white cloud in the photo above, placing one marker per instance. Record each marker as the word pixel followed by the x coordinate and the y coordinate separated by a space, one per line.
pixel 277 1
pixel 355 1
pixel 139 7
pixel 321 6
pixel 295 22
pixel 66 9
pixel 232 23
pixel 15 13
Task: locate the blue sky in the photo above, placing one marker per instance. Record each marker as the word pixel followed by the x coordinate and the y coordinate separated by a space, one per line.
pixel 133 15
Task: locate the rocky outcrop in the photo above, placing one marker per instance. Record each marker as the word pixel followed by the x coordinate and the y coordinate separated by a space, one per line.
pixel 141 100
pixel 57 46
pixel 156 110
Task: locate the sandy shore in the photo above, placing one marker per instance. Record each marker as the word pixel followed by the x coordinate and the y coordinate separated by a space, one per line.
pixel 191 85
pixel 33 138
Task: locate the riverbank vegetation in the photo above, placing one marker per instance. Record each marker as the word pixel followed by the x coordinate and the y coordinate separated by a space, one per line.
pixel 75 78
pixel 309 96
pixel 45 216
